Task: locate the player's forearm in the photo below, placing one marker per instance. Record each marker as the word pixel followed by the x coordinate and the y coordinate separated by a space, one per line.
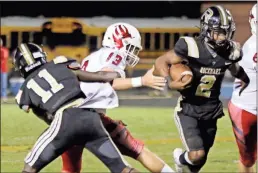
pixel 126 83
pixel 100 76
pixel 238 72
pixel 163 63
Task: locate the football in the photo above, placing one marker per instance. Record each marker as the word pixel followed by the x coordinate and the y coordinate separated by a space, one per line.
pixel 178 70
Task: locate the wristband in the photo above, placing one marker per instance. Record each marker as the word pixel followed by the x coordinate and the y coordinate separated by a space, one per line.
pixel 136 81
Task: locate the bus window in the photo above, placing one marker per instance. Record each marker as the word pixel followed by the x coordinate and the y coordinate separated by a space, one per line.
pixel 93 43
pixel 37 38
pixel 167 41
pixel 147 41
pixel 73 38
pixel 157 41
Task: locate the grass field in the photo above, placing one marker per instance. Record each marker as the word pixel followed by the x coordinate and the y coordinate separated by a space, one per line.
pixel 154 126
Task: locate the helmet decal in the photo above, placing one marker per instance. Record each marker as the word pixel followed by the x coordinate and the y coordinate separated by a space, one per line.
pixel 26 54
pixel 120 34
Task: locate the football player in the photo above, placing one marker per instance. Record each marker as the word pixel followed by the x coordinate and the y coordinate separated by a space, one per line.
pixel 243 109
pixel 53 88
pixel 199 107
pixel 121 45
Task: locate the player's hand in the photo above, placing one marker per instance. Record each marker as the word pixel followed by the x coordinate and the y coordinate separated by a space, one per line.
pixel 235 49
pixel 26 108
pixel 152 81
pixel 178 84
pixel 243 86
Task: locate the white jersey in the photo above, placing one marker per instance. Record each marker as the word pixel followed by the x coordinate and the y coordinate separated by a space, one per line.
pixel 101 95
pixel 247 100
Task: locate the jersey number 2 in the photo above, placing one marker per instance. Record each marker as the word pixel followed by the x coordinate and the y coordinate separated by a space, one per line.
pixel 204 87
pixel 45 95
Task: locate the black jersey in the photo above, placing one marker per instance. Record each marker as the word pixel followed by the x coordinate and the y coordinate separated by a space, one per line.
pixel 208 68
pixel 50 86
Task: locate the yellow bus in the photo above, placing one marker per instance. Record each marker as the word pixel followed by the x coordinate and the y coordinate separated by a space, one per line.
pixel 77 37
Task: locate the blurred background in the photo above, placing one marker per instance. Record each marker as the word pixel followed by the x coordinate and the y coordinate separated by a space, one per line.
pixel 76 29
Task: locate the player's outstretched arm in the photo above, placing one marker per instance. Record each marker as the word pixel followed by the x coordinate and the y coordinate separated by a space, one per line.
pixel 85 76
pixel 148 80
pixel 100 76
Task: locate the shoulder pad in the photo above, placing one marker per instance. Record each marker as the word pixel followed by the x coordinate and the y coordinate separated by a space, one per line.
pixel 62 59
pixel 74 66
pixel 193 50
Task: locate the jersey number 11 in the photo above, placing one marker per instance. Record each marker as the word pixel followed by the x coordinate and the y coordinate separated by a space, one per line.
pixel 45 95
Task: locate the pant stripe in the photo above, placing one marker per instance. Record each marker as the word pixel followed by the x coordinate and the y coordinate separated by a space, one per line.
pixel 180 130
pixel 44 140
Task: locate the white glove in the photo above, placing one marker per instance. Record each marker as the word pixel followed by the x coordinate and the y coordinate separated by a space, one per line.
pixel 235 51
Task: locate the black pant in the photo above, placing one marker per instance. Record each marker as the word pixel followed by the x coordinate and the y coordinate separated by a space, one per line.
pixel 196 134
pixel 75 126
pixel 197 124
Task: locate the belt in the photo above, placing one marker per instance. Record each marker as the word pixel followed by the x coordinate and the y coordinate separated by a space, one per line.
pixel 74 103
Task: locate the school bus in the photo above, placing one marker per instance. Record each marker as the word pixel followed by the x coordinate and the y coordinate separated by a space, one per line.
pixel 77 37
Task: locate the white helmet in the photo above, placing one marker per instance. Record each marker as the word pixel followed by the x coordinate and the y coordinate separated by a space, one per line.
pixel 126 38
pixel 253 19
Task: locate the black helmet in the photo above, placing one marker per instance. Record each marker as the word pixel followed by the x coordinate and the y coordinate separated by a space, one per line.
pixel 28 57
pixel 217 19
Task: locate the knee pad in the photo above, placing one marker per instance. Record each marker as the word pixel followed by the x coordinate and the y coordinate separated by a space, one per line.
pixel 126 143
pixel 194 143
pixel 111 157
pixel 123 139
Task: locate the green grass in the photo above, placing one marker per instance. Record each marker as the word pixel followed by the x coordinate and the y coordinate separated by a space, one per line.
pixel 155 126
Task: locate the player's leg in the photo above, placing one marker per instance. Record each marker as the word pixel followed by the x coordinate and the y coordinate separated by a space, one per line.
pixel 103 147
pixel 152 162
pixel 245 129
pixel 49 145
pixel 208 129
pixel 132 147
pixel 190 135
pixel 72 159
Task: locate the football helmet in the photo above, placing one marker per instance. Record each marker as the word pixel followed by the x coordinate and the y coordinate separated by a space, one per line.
pixel 216 19
pixel 28 57
pixel 126 38
pixel 253 19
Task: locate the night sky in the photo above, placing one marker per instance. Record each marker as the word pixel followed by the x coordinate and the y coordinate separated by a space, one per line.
pixel 100 8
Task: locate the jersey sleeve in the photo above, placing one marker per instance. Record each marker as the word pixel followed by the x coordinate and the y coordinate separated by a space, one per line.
pixel 181 48
pixel 72 64
pixel 186 47
pixel 22 98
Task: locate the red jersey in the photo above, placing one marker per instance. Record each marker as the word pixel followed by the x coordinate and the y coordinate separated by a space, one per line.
pixel 4 54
